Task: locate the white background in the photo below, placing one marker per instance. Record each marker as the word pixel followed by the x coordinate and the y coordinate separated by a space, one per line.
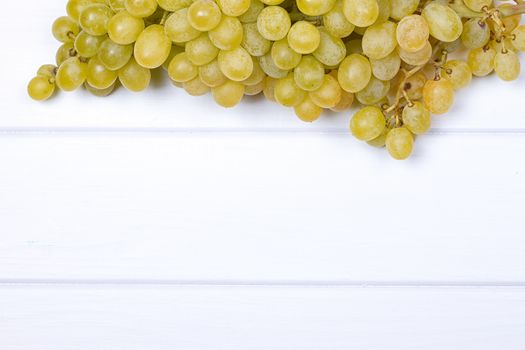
pixel 160 221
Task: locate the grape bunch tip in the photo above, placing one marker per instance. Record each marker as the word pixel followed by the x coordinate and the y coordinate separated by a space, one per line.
pixel 400 60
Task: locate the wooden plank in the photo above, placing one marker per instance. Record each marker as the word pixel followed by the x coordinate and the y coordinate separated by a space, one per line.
pixel 488 104
pixel 261 207
pixel 164 317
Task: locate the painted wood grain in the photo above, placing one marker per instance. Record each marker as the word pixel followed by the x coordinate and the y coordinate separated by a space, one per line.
pixel 259 318
pixel 261 207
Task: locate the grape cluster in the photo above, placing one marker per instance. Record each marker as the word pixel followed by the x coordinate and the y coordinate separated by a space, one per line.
pixel 392 57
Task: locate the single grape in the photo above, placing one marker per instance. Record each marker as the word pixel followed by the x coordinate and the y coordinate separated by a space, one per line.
pixel 236 64
pixel 204 15
pixel 152 47
pixel 181 69
pixel 234 8
pixel 458 73
pixel 368 123
pixel 134 77
pixel 124 29
pixel 315 7
pixel 141 8
pixel 98 76
pixel 304 37
pixel 309 74
pixel 274 23
pixel 507 65
pixel 196 87
pixel 417 118
pixel 201 50
pixel 87 45
pixel 71 74
pixel 412 33
pixel 438 96
pixel 178 27
pixel 354 73
pixel 284 56
pixel 329 94
pixel 481 61
pixel 287 93
pixel 40 88
pixel 380 40
pixel 307 110
pixel 228 34
pixel 400 143
pixel 361 13
pixel 65 29
pixel 228 94
pixel 114 56
pixel 444 23
pixel 253 41
pixel 94 19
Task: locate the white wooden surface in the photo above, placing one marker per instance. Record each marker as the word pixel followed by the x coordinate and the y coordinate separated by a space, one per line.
pixel 159 221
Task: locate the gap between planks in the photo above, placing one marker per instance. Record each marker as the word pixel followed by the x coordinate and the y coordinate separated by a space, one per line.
pixel 173 131
pixel 257 284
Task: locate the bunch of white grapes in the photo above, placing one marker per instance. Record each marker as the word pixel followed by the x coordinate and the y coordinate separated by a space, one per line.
pixel 392 57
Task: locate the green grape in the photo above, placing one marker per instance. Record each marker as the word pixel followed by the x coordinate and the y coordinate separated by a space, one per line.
pixel 507 65
pixel 181 69
pixel 284 56
pixel 196 87
pixel 175 50
pixel 204 15
pixel 117 5
pixel 201 50
pixel 458 73
pixel 152 47
pixel 368 123
pixel 417 58
pixel 379 141
pixel 510 22
pixel 252 90
pixel 481 61
pixel 518 39
pixel 114 56
pixel 40 88
pixel 400 143
pixel 477 5
pixel 100 92
pixel 211 74
pixel 47 70
pixel 124 29
pixel 476 33
pixel 354 73
pixel 329 94
pixel 345 103
pixel 304 37
pixel 228 94
pixel 414 86
pixel 141 8
pixel 134 77
pixel 269 67
pixel 438 96
pixel 88 45
pixel 287 93
pixel 307 110
pixel 257 75
pixel 386 68
pixel 444 23
pixel 336 23
pixel 64 52
pixel 227 35
pixel 98 76
pixel 234 8
pixel 331 50
pixel 269 88
pixel 178 27
pixel 272 2
pixel 173 5
pixel 65 29
pixel 380 40
pixel 385 10
pixel 309 74
pixel 75 7
pixel 361 13
pixel 236 64
pixel 374 92
pixel 254 42
pixel 71 74
pixel 315 7
pixel 412 33
pixel 251 15
pixel 274 23
pixel 416 118
pixel 94 19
